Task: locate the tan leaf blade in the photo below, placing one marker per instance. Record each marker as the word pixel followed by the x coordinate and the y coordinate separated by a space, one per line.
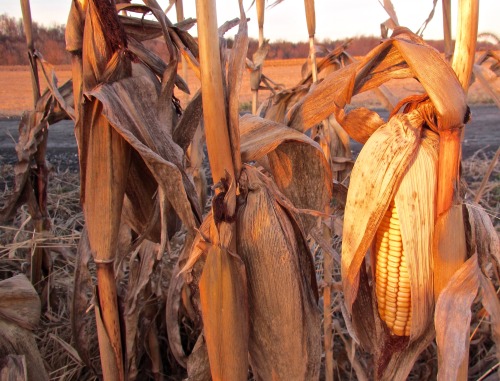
pixel 310 17
pixel 82 323
pixel 129 112
pixel 224 309
pixel 404 55
pixel 453 316
pixel 236 68
pixel 140 304
pixel 483 239
pixel 186 127
pixel 198 366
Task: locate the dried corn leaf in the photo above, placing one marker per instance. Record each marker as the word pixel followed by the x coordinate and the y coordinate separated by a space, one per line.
pixel 491 303
pixel 128 110
pixel 284 318
pixel 224 309
pixel 297 163
pixel 404 55
pixel 137 300
pixel 236 67
pixel 32 129
pixel 154 63
pixel 198 366
pixel 108 353
pixel 174 302
pixel 453 316
pixel 255 65
pixel 310 17
pixel 82 323
pixel 482 237
pixel 378 171
pixel 415 201
pixel 185 130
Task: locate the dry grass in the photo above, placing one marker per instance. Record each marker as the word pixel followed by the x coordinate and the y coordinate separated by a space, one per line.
pixel 54 334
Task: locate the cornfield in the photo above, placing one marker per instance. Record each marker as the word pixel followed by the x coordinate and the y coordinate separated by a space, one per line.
pixel 197 243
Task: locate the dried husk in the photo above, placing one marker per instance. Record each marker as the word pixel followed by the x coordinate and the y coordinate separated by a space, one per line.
pixel 277 105
pixel 224 309
pixel 375 178
pixel 284 318
pixel 19 315
pixel 398 162
pixel 140 305
pixel 297 163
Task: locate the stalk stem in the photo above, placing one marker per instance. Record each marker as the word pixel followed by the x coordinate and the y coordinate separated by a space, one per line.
pixel 450 233
pixel 214 106
pixel 448 48
pixel 312 52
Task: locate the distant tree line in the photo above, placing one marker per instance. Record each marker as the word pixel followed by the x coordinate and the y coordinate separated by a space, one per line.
pixel 50 42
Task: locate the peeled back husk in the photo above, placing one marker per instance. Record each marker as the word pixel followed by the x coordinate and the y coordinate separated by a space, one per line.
pixel 399 162
pixel 285 326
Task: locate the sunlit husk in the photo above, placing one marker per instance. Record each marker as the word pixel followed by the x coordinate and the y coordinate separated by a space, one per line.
pixel 398 162
pixel 281 282
pixel 284 318
pixel 415 201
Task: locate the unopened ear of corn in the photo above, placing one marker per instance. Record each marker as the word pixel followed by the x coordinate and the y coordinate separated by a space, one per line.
pixel 285 333
pixel 391 208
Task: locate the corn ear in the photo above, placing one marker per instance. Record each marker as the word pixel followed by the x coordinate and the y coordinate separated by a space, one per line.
pixel 408 183
pixel 284 319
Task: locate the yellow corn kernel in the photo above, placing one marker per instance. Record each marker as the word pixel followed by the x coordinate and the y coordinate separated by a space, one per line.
pixel 391 275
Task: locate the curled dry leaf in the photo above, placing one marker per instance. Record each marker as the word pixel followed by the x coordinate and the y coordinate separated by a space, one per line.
pixel 19 302
pixel 402 56
pixel 128 111
pixel 296 162
pixel 453 316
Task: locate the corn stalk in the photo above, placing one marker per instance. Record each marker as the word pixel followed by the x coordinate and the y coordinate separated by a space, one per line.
pixel 179 9
pixel 39 212
pixel 451 250
pixel 259 5
pixel 104 157
pixel 448 48
pixel 223 282
pixel 327 257
pixel 311 29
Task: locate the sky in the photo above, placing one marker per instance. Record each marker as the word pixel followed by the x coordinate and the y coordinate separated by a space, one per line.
pixel 335 20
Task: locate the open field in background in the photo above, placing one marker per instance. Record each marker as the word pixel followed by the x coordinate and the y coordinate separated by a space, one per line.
pixel 15 86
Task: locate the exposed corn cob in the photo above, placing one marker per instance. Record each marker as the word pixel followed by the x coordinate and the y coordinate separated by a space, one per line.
pixel 392 278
